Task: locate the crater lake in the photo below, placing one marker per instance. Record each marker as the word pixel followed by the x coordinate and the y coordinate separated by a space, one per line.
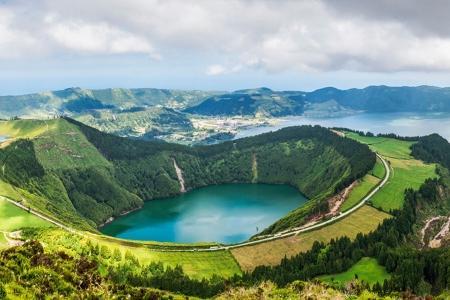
pixel 226 213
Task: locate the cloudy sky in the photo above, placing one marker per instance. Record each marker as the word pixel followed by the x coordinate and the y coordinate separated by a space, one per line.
pixel 222 45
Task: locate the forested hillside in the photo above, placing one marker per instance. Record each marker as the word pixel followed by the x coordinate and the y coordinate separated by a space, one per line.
pixel 253 102
pixel 87 176
pixel 433 148
pixel 371 99
pixel 247 102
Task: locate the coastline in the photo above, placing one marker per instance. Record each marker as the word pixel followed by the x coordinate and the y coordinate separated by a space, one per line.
pixel 110 219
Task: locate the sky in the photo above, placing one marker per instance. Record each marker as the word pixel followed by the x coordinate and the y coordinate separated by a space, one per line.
pixel 222 44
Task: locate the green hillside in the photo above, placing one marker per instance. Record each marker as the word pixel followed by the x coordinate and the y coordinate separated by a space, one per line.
pixel 407 172
pixel 54 166
pixel 88 176
pixel 254 102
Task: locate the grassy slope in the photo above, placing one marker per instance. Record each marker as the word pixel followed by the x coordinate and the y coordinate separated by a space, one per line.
pixel 378 170
pixel 407 172
pixel 3 241
pixel 63 146
pixel 60 145
pixel 364 186
pixel 367 269
pixel 14 218
pixel 23 128
pixel 363 220
pixel 387 147
pixel 195 264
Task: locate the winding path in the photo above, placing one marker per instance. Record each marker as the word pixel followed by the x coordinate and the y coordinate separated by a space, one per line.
pixel 290 232
pixel 297 230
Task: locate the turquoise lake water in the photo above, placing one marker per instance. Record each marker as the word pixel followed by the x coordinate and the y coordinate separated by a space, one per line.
pixel 227 213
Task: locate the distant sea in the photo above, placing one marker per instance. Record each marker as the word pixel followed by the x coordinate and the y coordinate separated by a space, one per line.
pixel 403 124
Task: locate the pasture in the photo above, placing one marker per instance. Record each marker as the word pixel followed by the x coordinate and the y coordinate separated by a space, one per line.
pixel 363 220
pixel 364 186
pixel 406 172
pixel 367 270
pixel 14 218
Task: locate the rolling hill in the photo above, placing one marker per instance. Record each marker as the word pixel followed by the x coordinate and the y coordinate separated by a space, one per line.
pixel 77 100
pixel 326 101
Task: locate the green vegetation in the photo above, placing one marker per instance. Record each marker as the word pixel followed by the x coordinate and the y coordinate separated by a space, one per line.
pixel 387 147
pixel 3 241
pixel 378 170
pixel 420 271
pixel 140 122
pixel 298 290
pixel 195 264
pixel 84 176
pixel 364 220
pixel 23 128
pixel 14 218
pixel 62 146
pixel 30 272
pixel 407 172
pixel 90 265
pixel 367 270
pixel 362 188
pixel 262 101
pixel 433 148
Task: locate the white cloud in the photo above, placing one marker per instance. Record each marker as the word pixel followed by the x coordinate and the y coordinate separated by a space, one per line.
pixel 14 42
pixel 272 35
pixel 216 70
pixel 97 38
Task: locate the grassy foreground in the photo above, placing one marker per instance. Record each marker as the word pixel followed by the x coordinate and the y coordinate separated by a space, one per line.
pixel 367 269
pixel 14 218
pixel 407 172
pixel 196 264
pixel 363 220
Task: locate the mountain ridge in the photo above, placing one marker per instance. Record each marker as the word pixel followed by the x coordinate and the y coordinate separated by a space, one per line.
pixel 86 176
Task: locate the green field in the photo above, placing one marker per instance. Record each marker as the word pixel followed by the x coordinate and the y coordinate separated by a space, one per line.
pixel 387 147
pixel 406 172
pixel 23 128
pixel 366 184
pixel 367 269
pixel 363 220
pixel 63 146
pixel 196 264
pixel 14 218
pixel 378 170
pixel 3 241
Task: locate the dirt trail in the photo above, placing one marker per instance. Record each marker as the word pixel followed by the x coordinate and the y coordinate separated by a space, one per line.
pixel 13 238
pixel 437 240
pixel 180 177
pixel 336 201
pixel 425 227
